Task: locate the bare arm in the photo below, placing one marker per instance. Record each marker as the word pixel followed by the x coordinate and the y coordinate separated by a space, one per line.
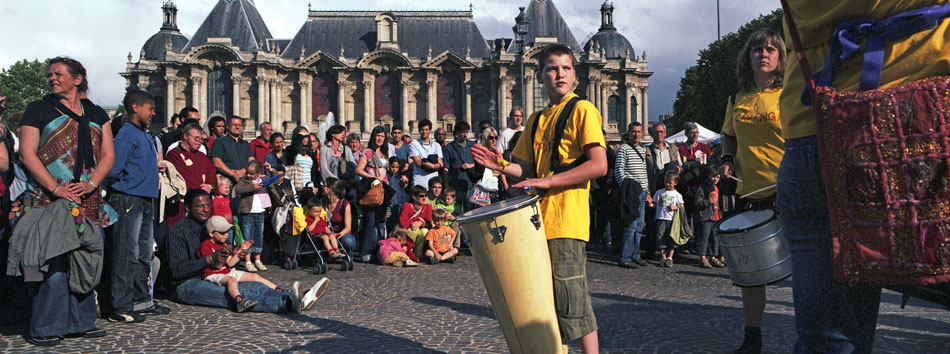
pixel 4 158
pixel 595 166
pixel 729 147
pixel 219 164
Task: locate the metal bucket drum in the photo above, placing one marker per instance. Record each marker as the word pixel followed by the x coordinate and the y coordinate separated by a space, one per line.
pixel 511 253
pixel 755 248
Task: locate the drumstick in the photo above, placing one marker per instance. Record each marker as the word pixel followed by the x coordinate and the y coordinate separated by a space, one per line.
pixel 734 177
pixel 757 191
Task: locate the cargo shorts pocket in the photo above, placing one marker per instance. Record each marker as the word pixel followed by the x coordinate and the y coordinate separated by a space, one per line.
pixel 570 289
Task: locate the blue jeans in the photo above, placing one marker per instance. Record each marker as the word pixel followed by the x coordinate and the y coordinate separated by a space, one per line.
pixel 348 241
pixel 56 310
pixel 203 293
pixel 830 316
pixel 252 225
pixel 632 234
pixel 373 229
pixel 130 247
pixel 704 236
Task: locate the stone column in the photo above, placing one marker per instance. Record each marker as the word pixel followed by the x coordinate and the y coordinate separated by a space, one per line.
pixel 404 103
pixel 646 112
pixel 261 99
pixel 341 85
pixel 203 98
pixel 369 98
pixel 467 86
pixel 236 95
pixel 502 103
pixel 195 91
pixel 306 100
pixel 169 97
pixel 528 106
pixel 272 100
pixel 627 94
pixel 605 112
pixel 279 103
pixel 432 97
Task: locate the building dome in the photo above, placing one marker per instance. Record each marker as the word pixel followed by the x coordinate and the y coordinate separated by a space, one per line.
pixel 154 47
pixel 613 44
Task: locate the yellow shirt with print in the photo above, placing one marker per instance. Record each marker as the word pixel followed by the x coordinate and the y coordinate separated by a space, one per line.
pixel 566 210
pixel 918 56
pixel 754 120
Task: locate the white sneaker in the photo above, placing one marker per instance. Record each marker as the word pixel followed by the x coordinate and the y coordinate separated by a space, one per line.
pixel 248 266
pixel 260 265
pixel 410 263
pixel 316 292
pixel 297 289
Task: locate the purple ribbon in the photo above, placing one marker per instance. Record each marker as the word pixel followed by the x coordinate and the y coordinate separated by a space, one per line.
pixel 846 40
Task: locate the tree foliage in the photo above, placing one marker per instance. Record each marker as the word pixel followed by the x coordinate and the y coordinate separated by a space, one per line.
pixel 706 86
pixel 23 82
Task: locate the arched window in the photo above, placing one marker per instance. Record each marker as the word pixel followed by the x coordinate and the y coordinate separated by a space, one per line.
pixel 387 97
pixel 219 90
pixel 324 96
pixel 449 92
pixel 614 108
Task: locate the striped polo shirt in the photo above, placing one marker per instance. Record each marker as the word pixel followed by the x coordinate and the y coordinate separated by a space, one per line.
pixel 632 164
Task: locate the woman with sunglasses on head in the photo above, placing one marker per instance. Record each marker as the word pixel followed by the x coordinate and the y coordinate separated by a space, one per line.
pixel 372 164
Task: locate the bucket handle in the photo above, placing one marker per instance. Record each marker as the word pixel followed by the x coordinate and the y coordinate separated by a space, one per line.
pixel 497 231
pixel 536 218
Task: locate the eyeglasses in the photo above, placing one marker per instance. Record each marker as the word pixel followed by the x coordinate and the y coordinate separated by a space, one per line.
pixel 420 196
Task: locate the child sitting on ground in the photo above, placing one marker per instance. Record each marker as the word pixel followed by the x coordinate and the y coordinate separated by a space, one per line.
pixel 224 273
pixel 453 210
pixel 667 200
pixel 440 239
pixel 317 227
pixel 416 217
pixel 396 250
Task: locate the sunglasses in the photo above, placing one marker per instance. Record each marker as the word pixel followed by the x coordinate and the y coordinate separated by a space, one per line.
pixel 421 195
pixel 495 137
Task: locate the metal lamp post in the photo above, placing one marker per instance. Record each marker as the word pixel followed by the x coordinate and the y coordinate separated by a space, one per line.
pixel 521 30
pixel 491 113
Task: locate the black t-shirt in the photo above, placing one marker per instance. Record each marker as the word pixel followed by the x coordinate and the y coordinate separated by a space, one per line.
pixel 40 113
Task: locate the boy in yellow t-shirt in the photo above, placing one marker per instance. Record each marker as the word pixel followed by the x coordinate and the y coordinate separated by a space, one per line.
pixel 565 204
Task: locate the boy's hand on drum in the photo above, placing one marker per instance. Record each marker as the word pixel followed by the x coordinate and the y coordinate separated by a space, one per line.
pixel 543 183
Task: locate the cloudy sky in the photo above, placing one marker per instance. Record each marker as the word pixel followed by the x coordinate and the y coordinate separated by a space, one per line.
pixel 101 33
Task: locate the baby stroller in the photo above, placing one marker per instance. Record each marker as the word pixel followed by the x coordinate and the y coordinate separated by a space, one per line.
pixel 290 224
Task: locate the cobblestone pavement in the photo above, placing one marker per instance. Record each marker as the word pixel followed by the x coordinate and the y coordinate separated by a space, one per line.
pixel 444 308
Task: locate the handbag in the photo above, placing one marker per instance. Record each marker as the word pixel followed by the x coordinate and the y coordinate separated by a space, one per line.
pixel 376 193
pixel 479 196
pixel 884 158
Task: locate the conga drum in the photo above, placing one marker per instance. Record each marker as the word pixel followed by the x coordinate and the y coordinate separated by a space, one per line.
pixel 511 253
pixel 755 247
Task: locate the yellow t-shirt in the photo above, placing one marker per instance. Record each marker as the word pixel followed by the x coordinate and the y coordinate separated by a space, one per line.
pixel 566 210
pixel 754 121
pixel 918 56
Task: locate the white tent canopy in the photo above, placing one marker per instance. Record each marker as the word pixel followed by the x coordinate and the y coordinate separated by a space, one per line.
pixel 706 136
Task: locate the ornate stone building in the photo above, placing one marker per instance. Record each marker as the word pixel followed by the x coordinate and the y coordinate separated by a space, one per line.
pixel 377 67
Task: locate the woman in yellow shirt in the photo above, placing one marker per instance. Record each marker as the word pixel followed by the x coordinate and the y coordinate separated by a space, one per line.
pixel 752 147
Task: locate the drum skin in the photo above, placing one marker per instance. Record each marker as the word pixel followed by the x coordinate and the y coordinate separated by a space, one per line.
pixel 516 273
pixel 755 248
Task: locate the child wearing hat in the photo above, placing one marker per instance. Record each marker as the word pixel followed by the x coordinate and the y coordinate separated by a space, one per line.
pixel 224 273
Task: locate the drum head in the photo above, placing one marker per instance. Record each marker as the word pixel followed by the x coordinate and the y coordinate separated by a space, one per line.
pixel 745 221
pixel 499 208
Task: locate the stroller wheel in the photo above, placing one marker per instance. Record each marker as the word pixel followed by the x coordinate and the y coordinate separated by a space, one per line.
pixel 349 265
pixel 318 268
pixel 343 265
pixel 287 264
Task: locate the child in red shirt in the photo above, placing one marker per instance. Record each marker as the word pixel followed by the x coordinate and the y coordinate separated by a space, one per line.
pixel 317 227
pixel 221 204
pixel 224 273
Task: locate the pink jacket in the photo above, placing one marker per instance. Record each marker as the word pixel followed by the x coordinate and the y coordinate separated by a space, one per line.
pixel 390 245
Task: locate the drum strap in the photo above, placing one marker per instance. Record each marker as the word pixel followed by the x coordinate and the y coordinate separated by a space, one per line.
pixel 558 134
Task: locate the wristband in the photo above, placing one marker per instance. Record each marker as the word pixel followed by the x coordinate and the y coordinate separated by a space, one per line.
pixel 502 162
pixel 94 185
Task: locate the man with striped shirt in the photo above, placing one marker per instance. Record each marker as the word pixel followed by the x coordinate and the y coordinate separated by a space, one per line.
pixel 631 165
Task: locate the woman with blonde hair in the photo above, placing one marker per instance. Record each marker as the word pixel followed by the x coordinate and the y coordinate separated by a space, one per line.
pixel 752 150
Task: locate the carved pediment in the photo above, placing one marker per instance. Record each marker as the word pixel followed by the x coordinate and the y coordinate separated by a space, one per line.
pixel 448 59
